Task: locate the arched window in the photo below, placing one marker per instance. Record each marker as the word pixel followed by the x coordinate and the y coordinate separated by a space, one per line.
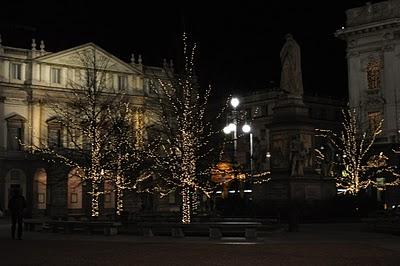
pixel 39 189
pixel 15 179
pixel 74 189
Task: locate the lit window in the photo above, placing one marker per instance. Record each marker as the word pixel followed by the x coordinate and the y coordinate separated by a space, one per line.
pixel 55 75
pixel 374 119
pixel 122 82
pixel 374 69
pixel 16 71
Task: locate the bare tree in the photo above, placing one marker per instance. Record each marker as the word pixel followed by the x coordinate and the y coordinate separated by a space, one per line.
pixel 85 113
pixel 188 147
pixel 358 166
pixel 129 167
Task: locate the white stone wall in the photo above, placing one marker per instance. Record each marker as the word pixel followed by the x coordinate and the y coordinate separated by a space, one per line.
pixel 379 40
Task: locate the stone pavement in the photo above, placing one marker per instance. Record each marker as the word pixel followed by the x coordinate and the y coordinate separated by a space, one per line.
pixel 315 244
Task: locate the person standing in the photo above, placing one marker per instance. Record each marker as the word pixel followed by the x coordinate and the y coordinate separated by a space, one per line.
pixel 16 206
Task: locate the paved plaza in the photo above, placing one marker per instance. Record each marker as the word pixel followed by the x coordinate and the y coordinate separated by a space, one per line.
pixel 315 244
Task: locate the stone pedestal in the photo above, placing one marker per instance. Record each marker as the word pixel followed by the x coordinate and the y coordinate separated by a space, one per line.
pixel 293 178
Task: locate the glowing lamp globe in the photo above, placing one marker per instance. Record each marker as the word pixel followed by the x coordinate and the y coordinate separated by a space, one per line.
pixel 235 102
pixel 232 127
pixel 246 128
pixel 227 130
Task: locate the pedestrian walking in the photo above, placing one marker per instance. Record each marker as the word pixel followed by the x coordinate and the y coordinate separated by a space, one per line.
pixel 16 206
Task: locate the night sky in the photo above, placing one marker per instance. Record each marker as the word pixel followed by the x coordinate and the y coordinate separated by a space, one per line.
pixel 238 42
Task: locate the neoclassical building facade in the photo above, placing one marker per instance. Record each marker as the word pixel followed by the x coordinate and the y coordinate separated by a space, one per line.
pixel 29 79
pixel 372 34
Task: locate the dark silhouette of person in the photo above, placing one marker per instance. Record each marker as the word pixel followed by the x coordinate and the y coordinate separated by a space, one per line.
pixel 16 206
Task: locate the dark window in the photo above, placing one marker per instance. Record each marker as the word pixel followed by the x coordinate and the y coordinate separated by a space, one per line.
pixel 16 71
pixel 54 135
pixel 15 133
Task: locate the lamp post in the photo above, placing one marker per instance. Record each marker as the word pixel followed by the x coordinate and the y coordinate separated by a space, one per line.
pixel 232 128
pixel 234 103
pixel 247 129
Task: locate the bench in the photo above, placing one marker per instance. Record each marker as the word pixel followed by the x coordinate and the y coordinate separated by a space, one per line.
pixel 175 229
pixel 215 230
pixel 108 227
pixel 249 229
pixel 33 224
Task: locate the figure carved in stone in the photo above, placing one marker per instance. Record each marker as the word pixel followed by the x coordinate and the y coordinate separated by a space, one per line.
pixel 291 78
pixel 374 74
pixel 328 160
pixel 297 157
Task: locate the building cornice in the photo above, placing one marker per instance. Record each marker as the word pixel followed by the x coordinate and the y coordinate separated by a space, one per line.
pixel 365 28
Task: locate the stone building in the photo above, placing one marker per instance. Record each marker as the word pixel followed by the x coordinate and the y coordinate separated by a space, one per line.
pixel 372 35
pixel 28 78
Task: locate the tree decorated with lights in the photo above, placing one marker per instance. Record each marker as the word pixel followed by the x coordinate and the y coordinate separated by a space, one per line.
pixel 357 166
pixel 129 167
pixel 85 114
pixel 187 138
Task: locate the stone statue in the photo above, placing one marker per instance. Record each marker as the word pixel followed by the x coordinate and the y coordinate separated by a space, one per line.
pixel 297 157
pixel 291 79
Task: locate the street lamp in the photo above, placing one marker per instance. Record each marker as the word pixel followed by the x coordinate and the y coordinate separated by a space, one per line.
pixel 247 129
pixel 235 102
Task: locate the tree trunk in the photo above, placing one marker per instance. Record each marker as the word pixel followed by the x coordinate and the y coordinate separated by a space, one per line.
pixel 186 208
pixel 95 199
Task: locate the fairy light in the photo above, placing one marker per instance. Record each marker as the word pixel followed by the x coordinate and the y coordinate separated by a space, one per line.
pixel 91 108
pixel 186 137
pixel 353 147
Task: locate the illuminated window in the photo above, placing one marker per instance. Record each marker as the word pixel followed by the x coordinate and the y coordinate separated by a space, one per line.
pixel 74 197
pixel 374 118
pixel 122 82
pixel 74 190
pixel 374 69
pixel 16 71
pixel 55 75
pixel 41 198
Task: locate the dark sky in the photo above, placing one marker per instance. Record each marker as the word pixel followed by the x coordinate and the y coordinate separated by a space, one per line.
pixel 239 41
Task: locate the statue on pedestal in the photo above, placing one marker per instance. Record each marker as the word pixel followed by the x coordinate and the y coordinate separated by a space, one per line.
pixel 297 157
pixel 291 77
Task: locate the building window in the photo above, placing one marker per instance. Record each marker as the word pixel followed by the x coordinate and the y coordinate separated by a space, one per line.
pixel 55 75
pixel 16 71
pixel 74 198
pixel 15 133
pixel 54 135
pixel 374 119
pixel 122 82
pixel 374 69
